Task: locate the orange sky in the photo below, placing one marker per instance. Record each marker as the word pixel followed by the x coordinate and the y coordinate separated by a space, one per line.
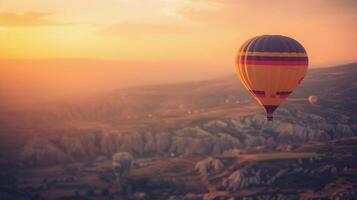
pixel 52 41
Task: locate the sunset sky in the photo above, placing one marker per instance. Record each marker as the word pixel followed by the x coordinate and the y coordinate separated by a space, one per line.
pixel 154 41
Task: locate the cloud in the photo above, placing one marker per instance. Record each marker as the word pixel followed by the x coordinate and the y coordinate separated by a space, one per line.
pixel 27 19
pixel 140 28
pixel 233 12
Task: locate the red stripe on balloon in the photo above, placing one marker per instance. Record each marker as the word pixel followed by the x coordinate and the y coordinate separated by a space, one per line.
pixel 270 62
pixel 283 96
pixel 260 95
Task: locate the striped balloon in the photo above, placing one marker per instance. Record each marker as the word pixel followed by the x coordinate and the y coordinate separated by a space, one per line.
pixel 271 67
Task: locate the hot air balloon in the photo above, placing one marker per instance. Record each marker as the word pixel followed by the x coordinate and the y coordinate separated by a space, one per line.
pixel 271 67
pixel 122 162
pixel 313 99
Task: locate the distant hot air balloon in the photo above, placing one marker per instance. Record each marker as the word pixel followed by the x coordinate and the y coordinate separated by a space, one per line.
pixel 271 67
pixel 313 99
pixel 122 162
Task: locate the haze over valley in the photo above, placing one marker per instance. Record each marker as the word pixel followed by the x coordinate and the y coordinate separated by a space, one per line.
pixel 174 126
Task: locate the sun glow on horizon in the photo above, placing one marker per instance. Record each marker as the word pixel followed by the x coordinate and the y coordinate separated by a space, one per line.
pixel 117 43
pixel 189 30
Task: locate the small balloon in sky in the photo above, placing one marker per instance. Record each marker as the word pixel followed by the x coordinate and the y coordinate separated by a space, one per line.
pixel 313 99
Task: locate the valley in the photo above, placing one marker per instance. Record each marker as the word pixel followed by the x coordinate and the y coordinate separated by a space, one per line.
pixel 197 140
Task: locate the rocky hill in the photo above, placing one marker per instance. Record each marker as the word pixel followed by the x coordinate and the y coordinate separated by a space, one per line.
pixel 323 170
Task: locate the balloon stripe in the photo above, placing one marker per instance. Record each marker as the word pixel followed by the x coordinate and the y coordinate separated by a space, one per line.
pixel 278 66
pixel 276 43
pixel 271 54
pixel 245 71
pixel 283 96
pixel 273 62
pixel 257 92
pixel 283 92
pixel 272 58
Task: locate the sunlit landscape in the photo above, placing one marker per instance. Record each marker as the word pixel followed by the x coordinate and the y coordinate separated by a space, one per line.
pixel 140 100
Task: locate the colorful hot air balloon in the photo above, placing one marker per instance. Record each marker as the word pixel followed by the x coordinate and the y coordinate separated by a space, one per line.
pixel 313 99
pixel 271 67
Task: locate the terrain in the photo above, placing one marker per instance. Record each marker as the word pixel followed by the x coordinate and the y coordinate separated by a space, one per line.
pixel 62 150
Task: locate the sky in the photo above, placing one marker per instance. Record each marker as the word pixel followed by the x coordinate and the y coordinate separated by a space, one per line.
pixel 56 46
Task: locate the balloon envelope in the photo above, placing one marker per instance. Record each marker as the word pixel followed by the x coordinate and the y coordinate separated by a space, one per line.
pixel 271 67
pixel 313 99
